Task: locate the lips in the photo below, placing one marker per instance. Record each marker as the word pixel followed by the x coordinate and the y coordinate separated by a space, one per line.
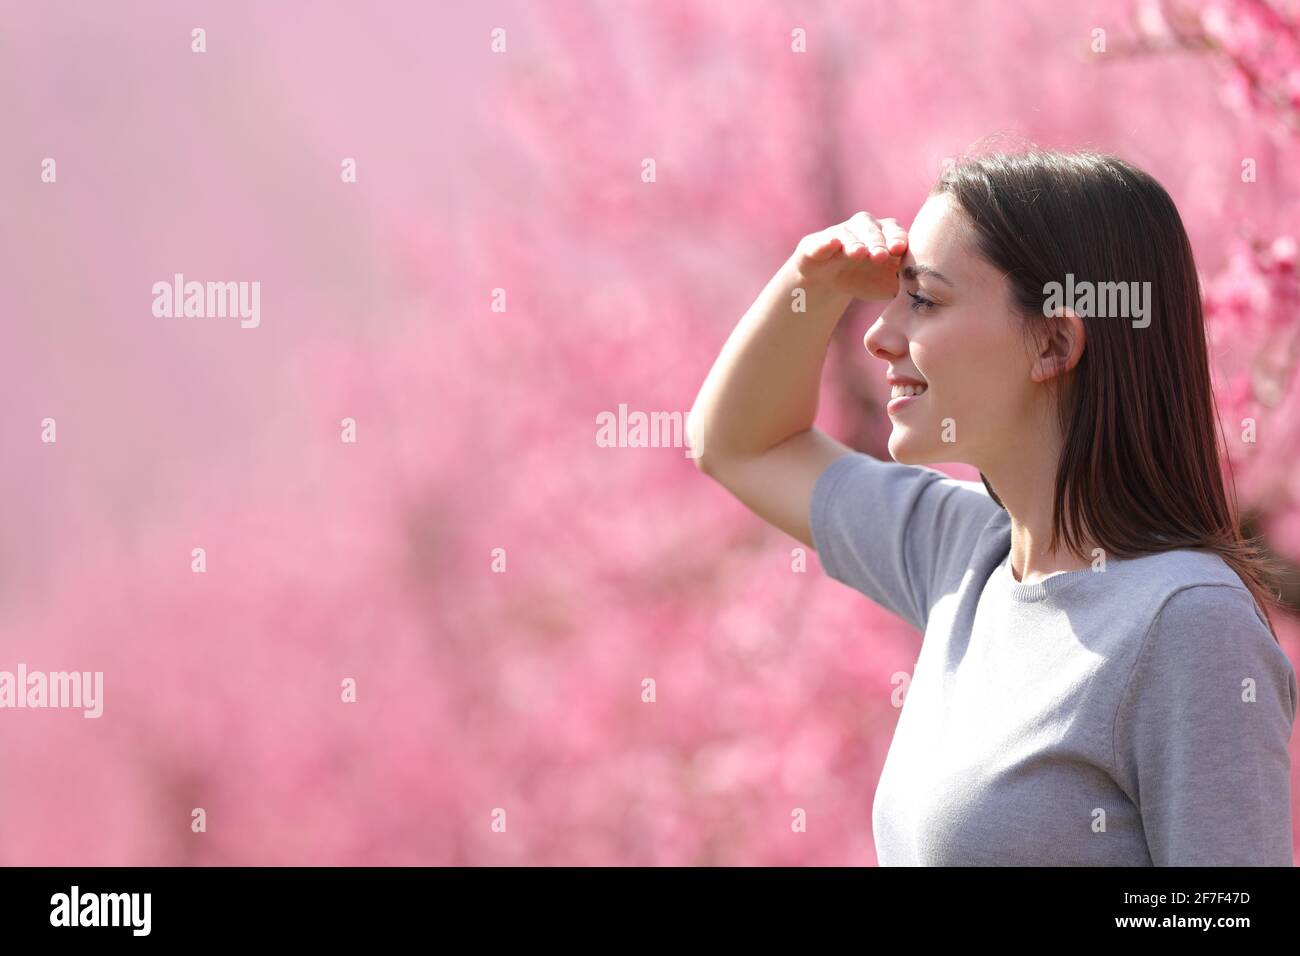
pixel 901 400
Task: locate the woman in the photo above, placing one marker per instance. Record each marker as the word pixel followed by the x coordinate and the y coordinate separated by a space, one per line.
pixel 1099 682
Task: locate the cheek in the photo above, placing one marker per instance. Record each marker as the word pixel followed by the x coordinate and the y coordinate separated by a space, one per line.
pixel 969 353
pixel 944 361
pixel 973 369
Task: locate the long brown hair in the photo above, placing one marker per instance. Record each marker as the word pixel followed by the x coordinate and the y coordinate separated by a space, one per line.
pixel 1140 469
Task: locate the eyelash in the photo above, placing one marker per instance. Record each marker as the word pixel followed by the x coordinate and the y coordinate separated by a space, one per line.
pixel 919 302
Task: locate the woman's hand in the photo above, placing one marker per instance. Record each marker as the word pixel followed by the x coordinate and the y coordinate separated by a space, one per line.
pixel 858 258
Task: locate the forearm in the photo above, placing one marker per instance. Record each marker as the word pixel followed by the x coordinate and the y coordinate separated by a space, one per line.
pixel 763 387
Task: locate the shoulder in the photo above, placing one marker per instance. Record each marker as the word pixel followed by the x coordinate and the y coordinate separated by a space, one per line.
pixel 1200 740
pixel 1172 571
pixel 1193 591
pixel 1208 633
pixel 898 533
pixel 1170 586
pixel 868 480
pixel 889 505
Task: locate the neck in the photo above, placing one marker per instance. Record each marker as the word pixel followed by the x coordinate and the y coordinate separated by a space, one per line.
pixel 1026 485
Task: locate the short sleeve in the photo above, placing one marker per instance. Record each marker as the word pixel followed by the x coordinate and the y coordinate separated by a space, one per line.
pixel 894 532
pixel 1202 730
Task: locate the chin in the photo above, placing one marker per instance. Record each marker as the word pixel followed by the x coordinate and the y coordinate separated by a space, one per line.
pixel 900 448
pixel 906 450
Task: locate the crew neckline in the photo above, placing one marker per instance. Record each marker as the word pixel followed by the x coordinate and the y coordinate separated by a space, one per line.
pixel 1050 585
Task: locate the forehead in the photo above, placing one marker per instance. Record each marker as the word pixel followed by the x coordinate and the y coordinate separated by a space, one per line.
pixel 938 236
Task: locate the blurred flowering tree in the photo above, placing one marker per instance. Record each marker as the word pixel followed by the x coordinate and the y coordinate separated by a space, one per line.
pixel 1253 300
pixel 644 168
pixel 1254 46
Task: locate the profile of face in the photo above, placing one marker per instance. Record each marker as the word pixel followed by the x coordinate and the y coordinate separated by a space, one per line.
pixel 952 327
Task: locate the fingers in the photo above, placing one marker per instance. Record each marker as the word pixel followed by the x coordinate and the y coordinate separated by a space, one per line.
pixel 862 238
pixel 855 246
pixel 821 246
pixel 866 240
pixel 895 236
pixel 877 239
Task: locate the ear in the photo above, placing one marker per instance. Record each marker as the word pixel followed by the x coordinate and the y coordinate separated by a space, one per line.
pixel 1060 347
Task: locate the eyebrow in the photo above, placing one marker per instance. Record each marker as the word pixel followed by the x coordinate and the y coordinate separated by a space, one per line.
pixel 915 272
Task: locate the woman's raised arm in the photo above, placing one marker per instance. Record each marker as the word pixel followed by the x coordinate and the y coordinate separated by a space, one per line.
pixel 751 427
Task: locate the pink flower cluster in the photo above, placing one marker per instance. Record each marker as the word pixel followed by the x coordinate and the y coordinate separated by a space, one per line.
pixel 1256 44
pixel 1252 310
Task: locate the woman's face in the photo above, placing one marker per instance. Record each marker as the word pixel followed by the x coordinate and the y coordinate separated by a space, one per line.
pixel 951 326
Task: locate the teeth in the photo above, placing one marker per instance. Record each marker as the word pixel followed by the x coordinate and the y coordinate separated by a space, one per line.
pixel 900 390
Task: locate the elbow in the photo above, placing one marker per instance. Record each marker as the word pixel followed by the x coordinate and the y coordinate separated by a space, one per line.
pixel 695 453
pixel 695 443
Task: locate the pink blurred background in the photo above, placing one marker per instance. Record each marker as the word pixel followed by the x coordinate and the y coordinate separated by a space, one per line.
pixel 522 171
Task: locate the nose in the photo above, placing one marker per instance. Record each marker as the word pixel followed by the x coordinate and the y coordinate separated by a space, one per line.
pixel 885 339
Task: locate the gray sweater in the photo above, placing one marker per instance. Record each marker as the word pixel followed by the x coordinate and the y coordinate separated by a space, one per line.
pixel 1134 716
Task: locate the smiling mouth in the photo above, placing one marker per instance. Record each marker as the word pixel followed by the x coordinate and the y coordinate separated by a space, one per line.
pixel 901 397
pixel 906 391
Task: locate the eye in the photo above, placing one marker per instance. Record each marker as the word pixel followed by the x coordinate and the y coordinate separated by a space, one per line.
pixel 919 302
